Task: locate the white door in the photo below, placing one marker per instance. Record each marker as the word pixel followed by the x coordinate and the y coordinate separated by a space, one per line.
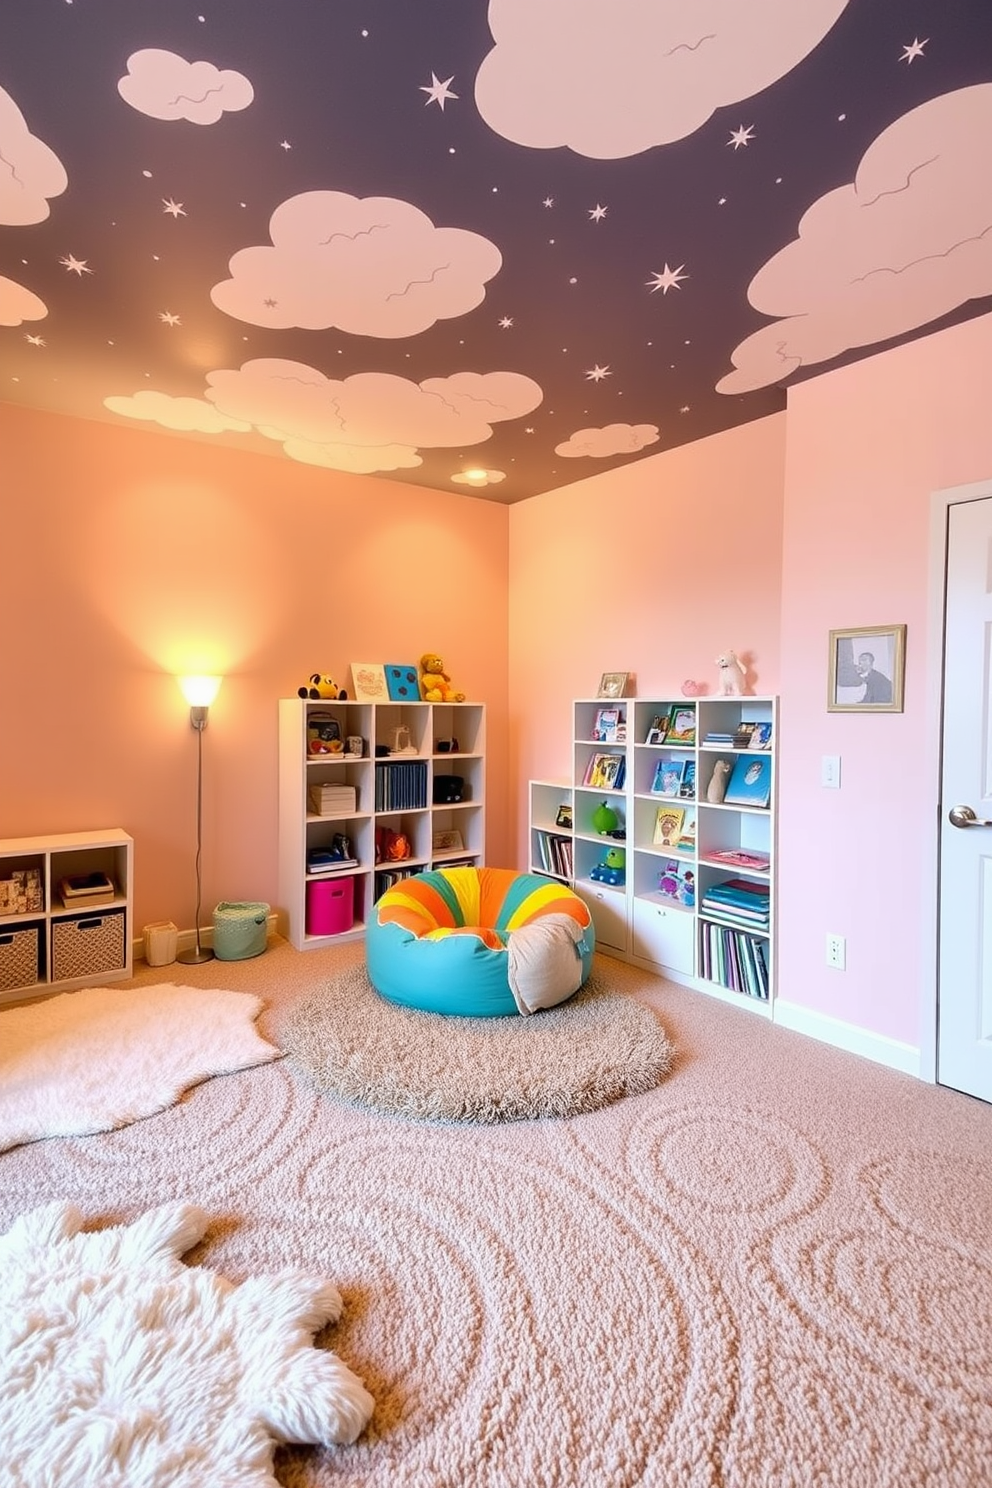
pixel 964 1033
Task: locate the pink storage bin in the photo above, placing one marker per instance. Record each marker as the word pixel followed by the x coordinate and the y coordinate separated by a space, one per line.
pixel 330 906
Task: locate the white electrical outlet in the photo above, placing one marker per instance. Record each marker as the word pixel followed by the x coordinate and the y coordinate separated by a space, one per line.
pixel 836 952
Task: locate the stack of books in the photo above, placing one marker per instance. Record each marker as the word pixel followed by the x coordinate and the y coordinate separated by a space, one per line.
pixel 739 857
pixel 738 901
pixel 332 800
pixel 714 737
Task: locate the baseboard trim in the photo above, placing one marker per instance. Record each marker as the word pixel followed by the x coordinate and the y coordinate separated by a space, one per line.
pixel 186 939
pixel 874 1046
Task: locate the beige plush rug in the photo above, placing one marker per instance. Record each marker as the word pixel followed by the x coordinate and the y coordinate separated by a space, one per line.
pixel 772 1270
pixel 598 1047
pixel 101 1057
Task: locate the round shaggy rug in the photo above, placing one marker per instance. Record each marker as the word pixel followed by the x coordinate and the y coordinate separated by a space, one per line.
pixel 594 1049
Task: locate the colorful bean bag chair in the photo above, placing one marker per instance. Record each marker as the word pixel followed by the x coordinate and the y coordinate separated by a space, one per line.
pixel 479 942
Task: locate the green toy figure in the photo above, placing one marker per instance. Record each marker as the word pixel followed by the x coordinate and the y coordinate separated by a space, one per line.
pixel 612 868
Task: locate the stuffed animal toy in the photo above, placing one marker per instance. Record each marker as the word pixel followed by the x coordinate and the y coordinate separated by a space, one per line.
pixel 717 788
pixel 319 686
pixel 435 684
pixel 730 682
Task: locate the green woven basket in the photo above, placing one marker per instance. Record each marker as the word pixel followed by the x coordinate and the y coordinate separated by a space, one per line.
pixel 240 931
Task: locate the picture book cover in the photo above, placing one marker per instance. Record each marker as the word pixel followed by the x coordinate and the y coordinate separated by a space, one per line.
pixel 668 826
pixel 603 772
pixel 681 726
pixel 751 782
pixel 687 785
pixel 604 730
pixel 667 777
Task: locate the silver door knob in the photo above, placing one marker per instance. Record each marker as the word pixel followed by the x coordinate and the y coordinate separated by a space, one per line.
pixel 963 816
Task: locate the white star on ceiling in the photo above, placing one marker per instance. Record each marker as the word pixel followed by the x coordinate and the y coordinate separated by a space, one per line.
pixel 597 213
pixel 285 145
pixel 34 340
pixel 667 279
pixel 549 201
pixel 741 136
pixel 168 318
pixel 75 265
pixel 438 92
pixel 598 373
pixel 174 208
pixel 506 322
pixel 914 50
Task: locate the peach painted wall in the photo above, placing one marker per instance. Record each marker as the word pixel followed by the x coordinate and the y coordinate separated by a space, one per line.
pixel 654 569
pixel 130 556
pixel 866 447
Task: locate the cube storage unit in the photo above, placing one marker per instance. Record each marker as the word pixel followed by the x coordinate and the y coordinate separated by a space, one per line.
pixel 417 789
pixel 66 938
pixel 700 906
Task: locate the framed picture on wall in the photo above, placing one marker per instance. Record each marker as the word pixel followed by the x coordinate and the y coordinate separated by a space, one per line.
pixel 866 669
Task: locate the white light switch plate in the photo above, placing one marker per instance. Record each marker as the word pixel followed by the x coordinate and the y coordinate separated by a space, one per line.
pixel 830 771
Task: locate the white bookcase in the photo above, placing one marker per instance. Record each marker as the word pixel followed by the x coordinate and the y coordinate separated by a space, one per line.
pixel 402 792
pixel 648 914
pixel 51 945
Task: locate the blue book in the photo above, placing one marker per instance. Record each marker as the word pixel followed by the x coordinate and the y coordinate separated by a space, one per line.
pixel 751 782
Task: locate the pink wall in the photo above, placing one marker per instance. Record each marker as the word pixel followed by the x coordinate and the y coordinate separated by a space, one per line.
pixel 130 556
pixel 866 447
pixel 653 569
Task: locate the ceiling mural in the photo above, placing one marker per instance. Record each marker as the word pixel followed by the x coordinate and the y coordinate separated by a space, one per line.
pixel 483 248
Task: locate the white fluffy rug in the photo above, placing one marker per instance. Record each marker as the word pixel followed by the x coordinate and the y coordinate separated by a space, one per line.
pixel 122 1368
pixel 102 1057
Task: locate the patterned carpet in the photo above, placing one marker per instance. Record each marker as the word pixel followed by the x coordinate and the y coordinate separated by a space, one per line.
pixel 773 1269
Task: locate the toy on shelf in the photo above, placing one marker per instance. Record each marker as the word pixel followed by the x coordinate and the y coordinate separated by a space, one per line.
pixel 717 788
pixel 604 819
pixel 730 675
pixel 435 684
pixel 611 868
pixel 391 846
pixel 321 688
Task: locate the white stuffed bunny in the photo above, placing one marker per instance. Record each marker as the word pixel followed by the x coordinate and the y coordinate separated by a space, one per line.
pixel 731 675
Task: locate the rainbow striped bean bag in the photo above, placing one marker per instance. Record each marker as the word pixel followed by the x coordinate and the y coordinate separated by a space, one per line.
pixel 439 941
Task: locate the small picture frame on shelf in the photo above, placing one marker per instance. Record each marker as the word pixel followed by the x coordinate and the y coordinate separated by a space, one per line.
pixel 447 841
pixel 563 817
pixel 368 682
pixel 657 729
pixel 613 684
pixel 681 726
pixel 866 669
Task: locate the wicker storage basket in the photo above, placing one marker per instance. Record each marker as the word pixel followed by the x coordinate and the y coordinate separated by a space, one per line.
pixel 87 945
pixel 18 957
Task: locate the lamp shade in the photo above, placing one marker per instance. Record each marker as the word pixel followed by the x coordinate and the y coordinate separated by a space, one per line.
pixel 200 692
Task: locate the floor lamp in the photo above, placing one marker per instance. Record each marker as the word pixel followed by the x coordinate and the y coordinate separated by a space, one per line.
pixel 199 692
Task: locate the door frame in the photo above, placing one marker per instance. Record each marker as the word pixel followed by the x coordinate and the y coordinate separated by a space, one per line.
pixel 940 503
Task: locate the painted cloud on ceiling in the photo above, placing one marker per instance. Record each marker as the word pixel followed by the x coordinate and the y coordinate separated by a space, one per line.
pixel 909 240
pixel 372 266
pixel 612 80
pixel 166 86
pixel 31 172
pixel 370 422
pixel 18 304
pixel 614 439
pixel 186 415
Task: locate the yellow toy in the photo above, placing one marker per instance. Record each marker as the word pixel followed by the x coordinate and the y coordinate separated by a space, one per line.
pixel 319 687
pixel 435 684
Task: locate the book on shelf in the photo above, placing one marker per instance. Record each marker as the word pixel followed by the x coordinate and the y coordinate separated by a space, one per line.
pixel 719 739
pixel 739 898
pixel 738 857
pixel 677 882
pixel 604 730
pixel 667 777
pixel 687 840
pixel 668 825
pixel 681 726
pixel 605 772
pixel 751 782
pixel 687 784
pixel 751 734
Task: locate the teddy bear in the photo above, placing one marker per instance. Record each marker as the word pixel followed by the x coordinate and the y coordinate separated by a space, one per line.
pixel 731 675
pixel 435 684
pixel 318 686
